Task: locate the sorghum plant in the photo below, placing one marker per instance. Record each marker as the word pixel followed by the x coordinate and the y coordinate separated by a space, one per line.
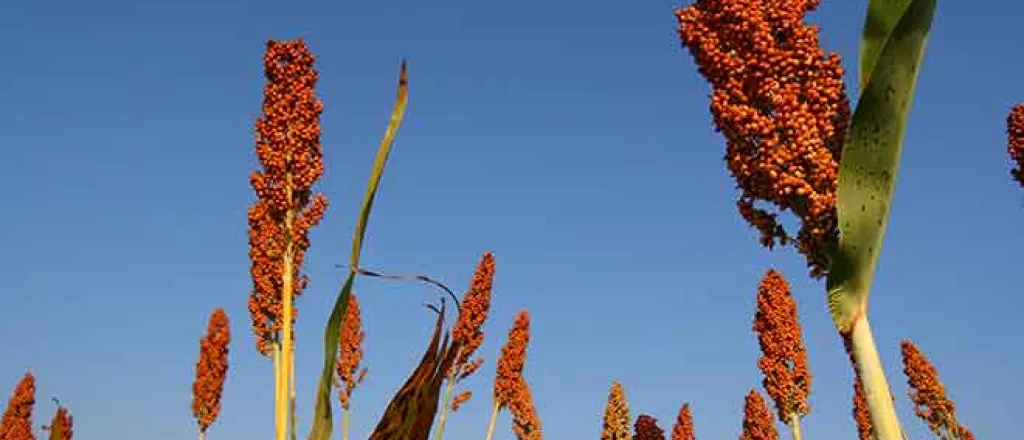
pixel 17 421
pixel 616 415
pixel 510 388
pixel 646 428
pixel 468 333
pixel 211 371
pixel 782 107
pixel 288 147
pixel 350 354
pixel 787 379
pixel 1015 141
pixel 683 428
pixel 61 426
pixel 929 395
pixel 758 422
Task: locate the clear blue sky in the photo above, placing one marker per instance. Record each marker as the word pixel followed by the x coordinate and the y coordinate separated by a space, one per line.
pixel 571 138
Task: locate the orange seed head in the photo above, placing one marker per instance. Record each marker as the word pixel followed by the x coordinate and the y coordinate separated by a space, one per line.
pixel 646 428
pixel 211 370
pixel 784 358
pixel 616 415
pixel 928 394
pixel 350 354
pixel 1015 135
pixel 17 420
pixel 758 422
pixel 683 429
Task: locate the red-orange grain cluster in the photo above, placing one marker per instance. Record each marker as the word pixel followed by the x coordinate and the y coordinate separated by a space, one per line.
pixel 646 428
pixel 473 311
pixel 758 422
pixel 62 425
pixel 784 359
pixel 683 429
pixel 861 414
pixel 510 388
pixel 288 148
pixel 350 354
pixel 460 399
pixel 782 106
pixel 17 421
pixel 1015 135
pixel 211 370
pixel 929 395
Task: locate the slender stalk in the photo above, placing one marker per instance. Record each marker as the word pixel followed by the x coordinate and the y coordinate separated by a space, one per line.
pixel 278 359
pixel 884 421
pixel 445 402
pixel 795 425
pixel 291 391
pixel 344 423
pixel 287 285
pixel 202 435
pixel 494 420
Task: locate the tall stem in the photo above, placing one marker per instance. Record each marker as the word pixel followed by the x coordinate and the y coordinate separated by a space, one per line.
pixel 494 420
pixel 884 421
pixel 344 423
pixel 202 435
pixel 796 427
pixel 287 286
pixel 291 393
pixel 445 402
pixel 278 359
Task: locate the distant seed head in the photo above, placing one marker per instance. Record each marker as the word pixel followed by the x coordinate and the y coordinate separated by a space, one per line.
pixel 460 399
pixel 683 429
pixel 350 354
pixel 211 370
pixel 758 422
pixel 781 105
pixel 646 428
pixel 784 359
pixel 473 311
pixel 1015 135
pixel 510 388
pixel 62 425
pixel 616 415
pixel 17 420
pixel 928 394
pixel 288 148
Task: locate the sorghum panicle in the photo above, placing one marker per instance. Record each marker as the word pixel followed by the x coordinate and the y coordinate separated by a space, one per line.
pixel 62 423
pixel 929 395
pixel 510 387
pixel 1015 144
pixel 460 399
pixel 758 422
pixel 17 421
pixel 473 311
pixel 288 148
pixel 350 354
pixel 782 107
pixel 646 428
pixel 211 370
pixel 784 359
pixel 683 429
pixel 616 415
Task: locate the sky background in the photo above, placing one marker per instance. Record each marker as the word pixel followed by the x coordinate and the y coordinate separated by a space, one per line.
pixel 570 138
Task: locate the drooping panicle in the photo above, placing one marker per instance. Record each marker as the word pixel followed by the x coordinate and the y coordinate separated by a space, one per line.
pixel 211 370
pixel 783 361
pixel 646 428
pixel 683 428
pixel 288 148
pixel 929 395
pixel 782 107
pixel 510 388
pixel 616 415
pixel 350 354
pixel 1015 141
pixel 17 420
pixel 758 422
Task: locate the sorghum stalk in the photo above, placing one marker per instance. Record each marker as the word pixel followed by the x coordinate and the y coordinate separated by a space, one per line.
pixel 288 147
pixel 787 379
pixel 17 420
pixel 468 335
pixel 211 371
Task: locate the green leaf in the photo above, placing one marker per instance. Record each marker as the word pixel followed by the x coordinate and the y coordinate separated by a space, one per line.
pixel 882 17
pixel 322 422
pixel 867 172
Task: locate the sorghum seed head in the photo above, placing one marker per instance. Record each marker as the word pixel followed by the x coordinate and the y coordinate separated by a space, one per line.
pixel 928 394
pixel 616 415
pixel 783 360
pixel 17 420
pixel 350 354
pixel 1015 141
pixel 683 429
pixel 211 370
pixel 646 428
pixel 758 422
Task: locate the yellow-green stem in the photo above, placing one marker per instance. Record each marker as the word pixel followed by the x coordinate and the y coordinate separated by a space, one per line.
pixel 445 403
pixel 344 423
pixel 278 374
pixel 885 423
pixel 795 425
pixel 291 391
pixel 494 420
pixel 287 286
pixel 202 435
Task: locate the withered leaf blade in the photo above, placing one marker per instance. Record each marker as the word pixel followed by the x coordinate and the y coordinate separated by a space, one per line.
pixel 410 415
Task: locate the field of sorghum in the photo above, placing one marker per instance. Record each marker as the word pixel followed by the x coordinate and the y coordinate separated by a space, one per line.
pixel 794 143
